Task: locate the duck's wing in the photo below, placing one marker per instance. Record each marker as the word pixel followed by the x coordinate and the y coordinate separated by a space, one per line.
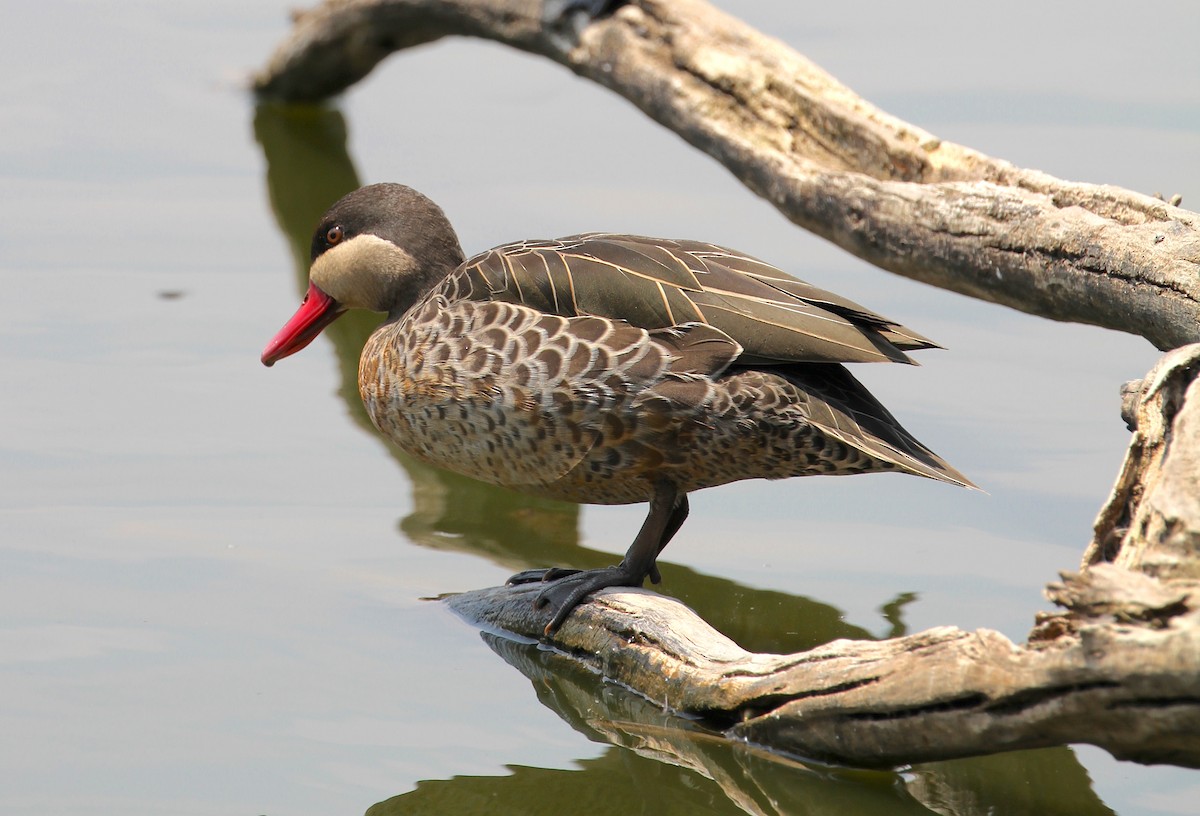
pixel 838 403
pixel 655 283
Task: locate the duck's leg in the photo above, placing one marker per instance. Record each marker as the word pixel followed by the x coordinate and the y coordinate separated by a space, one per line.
pixel 566 589
pixel 678 517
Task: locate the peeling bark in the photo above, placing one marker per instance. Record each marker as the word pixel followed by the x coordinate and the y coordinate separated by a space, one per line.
pixel 1152 520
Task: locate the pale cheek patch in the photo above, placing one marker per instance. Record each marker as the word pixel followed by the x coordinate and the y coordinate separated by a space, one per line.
pixel 360 273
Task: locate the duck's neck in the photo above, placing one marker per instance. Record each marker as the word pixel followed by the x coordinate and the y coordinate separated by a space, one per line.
pixel 416 286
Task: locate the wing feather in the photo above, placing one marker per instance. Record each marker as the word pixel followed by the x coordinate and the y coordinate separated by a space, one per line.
pixel 657 283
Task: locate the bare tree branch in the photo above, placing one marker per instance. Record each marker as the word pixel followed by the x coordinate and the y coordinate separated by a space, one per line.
pixel 1120 668
pixel 883 189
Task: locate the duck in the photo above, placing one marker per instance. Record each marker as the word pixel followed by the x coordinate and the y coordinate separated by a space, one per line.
pixel 601 368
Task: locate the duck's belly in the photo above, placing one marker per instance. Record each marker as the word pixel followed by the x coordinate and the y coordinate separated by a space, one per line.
pixel 585 409
pixel 575 453
pixel 611 449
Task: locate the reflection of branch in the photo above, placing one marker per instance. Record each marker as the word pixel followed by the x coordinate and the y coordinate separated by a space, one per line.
pixel 893 613
pixel 658 745
pixel 879 187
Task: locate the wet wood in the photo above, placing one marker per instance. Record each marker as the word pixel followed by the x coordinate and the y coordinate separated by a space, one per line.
pixel 883 189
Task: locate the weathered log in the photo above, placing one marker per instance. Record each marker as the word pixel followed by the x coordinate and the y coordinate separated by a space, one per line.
pixel 883 189
pixel 1127 683
pixel 1119 669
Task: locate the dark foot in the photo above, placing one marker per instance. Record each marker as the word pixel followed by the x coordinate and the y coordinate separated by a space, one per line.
pixel 537 576
pixel 566 589
pixel 565 593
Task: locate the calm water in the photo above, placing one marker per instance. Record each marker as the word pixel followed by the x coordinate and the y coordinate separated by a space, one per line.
pixel 211 574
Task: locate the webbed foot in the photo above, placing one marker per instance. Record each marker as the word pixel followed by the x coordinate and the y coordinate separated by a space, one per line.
pixel 565 589
pixel 535 576
pixel 569 588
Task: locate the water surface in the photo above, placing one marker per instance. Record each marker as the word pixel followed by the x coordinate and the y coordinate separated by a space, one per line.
pixel 211 574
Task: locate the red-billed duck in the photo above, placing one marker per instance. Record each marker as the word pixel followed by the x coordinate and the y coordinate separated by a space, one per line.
pixel 601 368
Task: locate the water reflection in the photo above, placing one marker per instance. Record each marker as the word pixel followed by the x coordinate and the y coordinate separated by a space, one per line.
pixel 308 168
pixel 694 770
pixel 705 773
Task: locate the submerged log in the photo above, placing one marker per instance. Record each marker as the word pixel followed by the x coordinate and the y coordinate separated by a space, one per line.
pixel 881 188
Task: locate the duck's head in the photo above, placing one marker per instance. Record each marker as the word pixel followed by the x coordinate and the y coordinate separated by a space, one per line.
pixel 380 248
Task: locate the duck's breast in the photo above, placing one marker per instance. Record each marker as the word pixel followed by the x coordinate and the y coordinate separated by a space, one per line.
pixel 511 396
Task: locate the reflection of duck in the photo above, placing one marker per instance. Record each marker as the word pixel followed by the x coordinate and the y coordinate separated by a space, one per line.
pixel 600 368
pixel 307 167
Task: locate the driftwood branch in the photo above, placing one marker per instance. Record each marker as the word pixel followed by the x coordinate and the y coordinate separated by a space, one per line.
pixel 1120 668
pixel 1151 522
pixel 883 189
pixel 1127 681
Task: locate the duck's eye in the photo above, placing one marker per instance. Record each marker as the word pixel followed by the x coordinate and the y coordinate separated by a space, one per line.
pixel 334 236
